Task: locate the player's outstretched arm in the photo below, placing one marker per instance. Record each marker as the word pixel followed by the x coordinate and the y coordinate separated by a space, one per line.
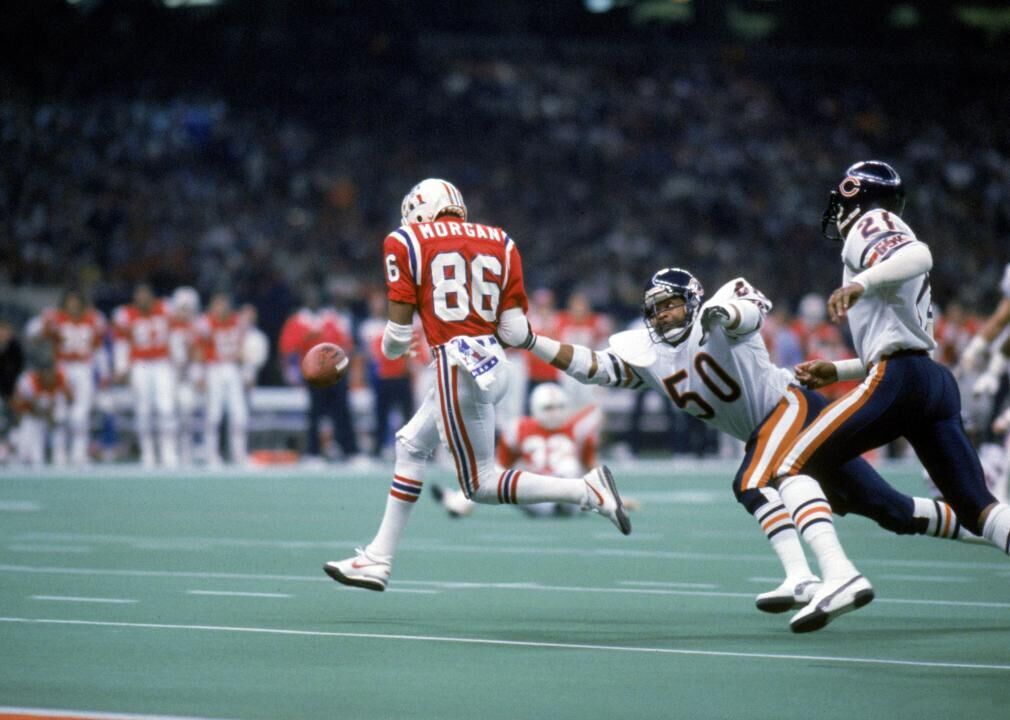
pixel 399 332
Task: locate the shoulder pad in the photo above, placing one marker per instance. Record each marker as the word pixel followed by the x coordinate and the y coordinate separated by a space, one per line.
pixel 635 347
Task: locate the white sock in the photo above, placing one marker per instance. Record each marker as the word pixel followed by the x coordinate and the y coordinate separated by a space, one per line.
pixel 519 487
pixel 940 520
pixel 811 513
pixel 997 527
pixel 403 494
pixel 777 525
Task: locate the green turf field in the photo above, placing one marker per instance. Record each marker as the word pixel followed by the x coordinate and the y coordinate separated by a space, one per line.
pixel 202 596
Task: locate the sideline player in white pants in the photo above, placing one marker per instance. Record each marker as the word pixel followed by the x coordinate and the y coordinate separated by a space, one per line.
pixel 76 332
pixel 141 354
pixel 185 308
pixel 465 281
pixel 221 332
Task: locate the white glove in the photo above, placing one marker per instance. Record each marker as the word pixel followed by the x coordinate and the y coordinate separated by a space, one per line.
pixel 712 316
pixel 986 384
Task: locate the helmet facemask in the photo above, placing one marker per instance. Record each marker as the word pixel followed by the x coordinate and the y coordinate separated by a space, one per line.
pixel 866 186
pixel 666 285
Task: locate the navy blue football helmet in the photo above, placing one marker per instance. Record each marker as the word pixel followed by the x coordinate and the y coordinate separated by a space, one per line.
pixel 866 186
pixel 663 285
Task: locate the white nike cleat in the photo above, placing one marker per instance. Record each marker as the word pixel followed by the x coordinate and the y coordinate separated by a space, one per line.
pixel 794 592
pixel 833 599
pixel 602 497
pixel 363 570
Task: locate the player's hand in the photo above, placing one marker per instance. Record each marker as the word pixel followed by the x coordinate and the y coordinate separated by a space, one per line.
pixel 987 384
pixel 816 374
pixel 842 299
pixel 712 316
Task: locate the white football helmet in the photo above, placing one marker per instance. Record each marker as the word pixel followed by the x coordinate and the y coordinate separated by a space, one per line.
pixel 186 301
pixel 429 198
pixel 549 405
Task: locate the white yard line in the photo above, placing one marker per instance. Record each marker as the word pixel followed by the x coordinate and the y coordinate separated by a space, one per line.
pixel 845 660
pixel 236 593
pixel 427 585
pixel 19 506
pixel 68 549
pixel 74 598
pixel 655 583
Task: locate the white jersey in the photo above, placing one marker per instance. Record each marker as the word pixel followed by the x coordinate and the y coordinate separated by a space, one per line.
pixel 892 317
pixel 729 382
pixel 1004 284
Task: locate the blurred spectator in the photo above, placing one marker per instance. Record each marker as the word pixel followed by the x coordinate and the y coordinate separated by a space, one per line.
pixel 12 362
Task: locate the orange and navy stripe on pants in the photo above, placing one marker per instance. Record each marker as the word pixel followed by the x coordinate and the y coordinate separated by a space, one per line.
pixel 405 489
pixel 774 437
pixel 456 436
pixel 829 421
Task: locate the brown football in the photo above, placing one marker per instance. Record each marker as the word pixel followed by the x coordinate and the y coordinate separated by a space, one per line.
pixel 324 365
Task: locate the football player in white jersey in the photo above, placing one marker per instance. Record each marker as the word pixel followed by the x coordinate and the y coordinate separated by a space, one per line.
pixel 885 295
pixel 711 361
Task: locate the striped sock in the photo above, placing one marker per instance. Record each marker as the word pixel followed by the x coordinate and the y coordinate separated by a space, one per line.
pixel 811 513
pixel 403 494
pixel 519 487
pixel 778 527
pixel 941 522
pixel 997 527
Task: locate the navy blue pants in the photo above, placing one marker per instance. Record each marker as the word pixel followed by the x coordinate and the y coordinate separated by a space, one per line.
pixel 331 402
pixel 905 395
pixel 851 487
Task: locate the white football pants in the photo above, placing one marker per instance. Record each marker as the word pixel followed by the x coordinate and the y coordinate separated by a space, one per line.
pixel 154 389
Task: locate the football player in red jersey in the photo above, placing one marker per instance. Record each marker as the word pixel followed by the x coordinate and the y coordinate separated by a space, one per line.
pixel 142 354
pixel 76 332
pixel 465 280
pixel 41 400
pixel 220 336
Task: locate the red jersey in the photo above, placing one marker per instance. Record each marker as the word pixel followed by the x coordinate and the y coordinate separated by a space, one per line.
pixel 460 276
pixel 33 394
pixel 307 328
pixel 221 338
pixel 371 332
pixel 74 339
pixel 147 333
pixel 568 451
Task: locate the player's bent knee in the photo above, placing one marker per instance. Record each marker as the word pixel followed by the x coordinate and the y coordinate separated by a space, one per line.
pixel 751 499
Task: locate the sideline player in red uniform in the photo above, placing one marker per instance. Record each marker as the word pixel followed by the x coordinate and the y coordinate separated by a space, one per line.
pixel 465 280
pixel 142 354
pixel 221 333
pixel 41 400
pixel 76 331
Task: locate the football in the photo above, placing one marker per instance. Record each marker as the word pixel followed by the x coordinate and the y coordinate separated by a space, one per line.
pixel 324 364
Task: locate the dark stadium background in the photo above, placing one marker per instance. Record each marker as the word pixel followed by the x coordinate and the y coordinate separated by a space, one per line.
pixel 260 146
